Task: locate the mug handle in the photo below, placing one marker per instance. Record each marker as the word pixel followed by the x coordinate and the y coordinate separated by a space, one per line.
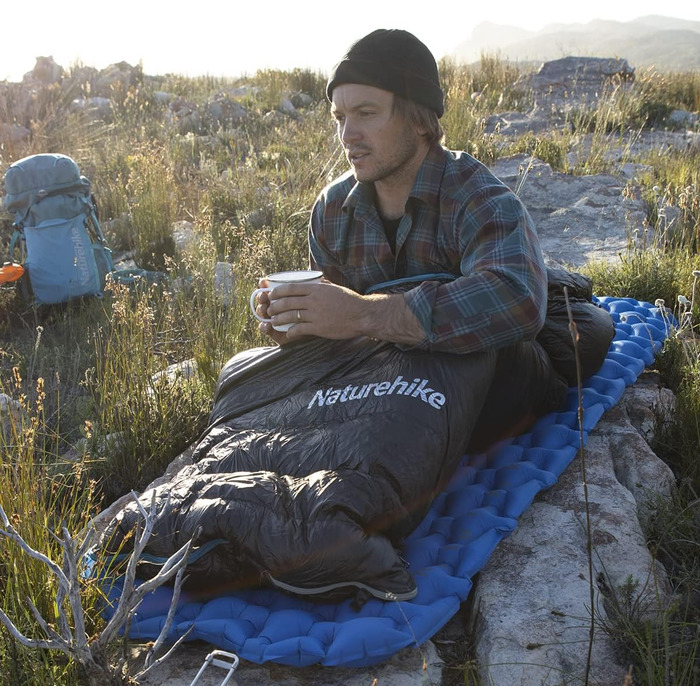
pixel 253 298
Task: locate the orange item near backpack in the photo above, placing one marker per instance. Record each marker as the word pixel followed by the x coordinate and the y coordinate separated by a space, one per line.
pixel 10 272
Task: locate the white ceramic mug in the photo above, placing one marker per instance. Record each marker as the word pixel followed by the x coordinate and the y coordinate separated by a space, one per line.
pixel 277 278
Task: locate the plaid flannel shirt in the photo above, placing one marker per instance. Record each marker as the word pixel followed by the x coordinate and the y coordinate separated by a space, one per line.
pixel 459 219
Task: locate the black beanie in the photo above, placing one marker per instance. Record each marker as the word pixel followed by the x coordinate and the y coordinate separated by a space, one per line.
pixel 393 60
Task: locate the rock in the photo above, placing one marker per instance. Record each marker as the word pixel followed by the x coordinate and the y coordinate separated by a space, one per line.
pixel 11 416
pixel 300 100
pixel 184 236
pixel 578 218
pixel 683 118
pixel 84 77
pixel 649 405
pixel 259 218
pixel 124 260
pixel 286 107
pixel 184 114
pixel 632 171
pixel 224 284
pixel 244 91
pixel 578 78
pixel 273 118
pixel 185 370
pixel 162 98
pixel 532 599
pixel 13 134
pixel 120 233
pixel 223 110
pixel 635 465
pixel 117 77
pixel 618 154
pixel 516 123
pixel 98 107
pixel 45 71
pixel 410 667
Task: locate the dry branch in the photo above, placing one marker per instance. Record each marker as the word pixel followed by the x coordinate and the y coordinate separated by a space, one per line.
pixel 72 639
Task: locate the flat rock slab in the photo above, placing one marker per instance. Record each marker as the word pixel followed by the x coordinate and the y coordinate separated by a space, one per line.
pixel 532 606
pixel 407 668
pixel 579 219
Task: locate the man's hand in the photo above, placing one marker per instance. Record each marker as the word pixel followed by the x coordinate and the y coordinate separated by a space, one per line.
pixel 261 309
pixel 330 311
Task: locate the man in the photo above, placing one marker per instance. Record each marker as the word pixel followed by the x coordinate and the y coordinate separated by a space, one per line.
pixel 410 208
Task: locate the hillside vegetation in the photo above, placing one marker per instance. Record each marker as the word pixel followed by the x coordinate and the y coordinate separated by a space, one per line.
pixel 664 43
pixel 95 421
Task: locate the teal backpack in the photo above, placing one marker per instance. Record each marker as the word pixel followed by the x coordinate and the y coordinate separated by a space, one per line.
pixel 56 230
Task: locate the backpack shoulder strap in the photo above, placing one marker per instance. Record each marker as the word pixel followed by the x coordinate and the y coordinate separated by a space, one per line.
pixel 15 242
pixel 91 213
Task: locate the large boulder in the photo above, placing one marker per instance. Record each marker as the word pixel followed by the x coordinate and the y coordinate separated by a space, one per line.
pixel 578 218
pixel 532 606
pixel 46 71
pixel 578 77
pixel 117 78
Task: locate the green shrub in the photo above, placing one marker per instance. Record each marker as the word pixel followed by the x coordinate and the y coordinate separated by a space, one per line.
pixel 153 206
pixel 39 499
pixel 549 150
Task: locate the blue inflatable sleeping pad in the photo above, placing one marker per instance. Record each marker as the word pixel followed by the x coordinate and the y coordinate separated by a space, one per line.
pixel 474 513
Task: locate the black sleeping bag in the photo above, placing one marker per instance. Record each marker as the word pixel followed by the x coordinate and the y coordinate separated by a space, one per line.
pixel 595 328
pixel 321 456
pixel 510 408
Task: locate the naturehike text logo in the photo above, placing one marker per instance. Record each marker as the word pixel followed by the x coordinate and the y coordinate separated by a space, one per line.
pixel 418 388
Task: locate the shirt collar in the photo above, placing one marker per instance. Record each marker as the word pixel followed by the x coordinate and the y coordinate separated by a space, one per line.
pixel 430 174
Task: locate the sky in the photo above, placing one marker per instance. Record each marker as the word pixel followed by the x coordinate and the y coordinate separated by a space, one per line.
pixel 219 39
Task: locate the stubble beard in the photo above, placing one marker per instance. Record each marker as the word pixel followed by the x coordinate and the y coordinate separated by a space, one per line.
pixel 395 166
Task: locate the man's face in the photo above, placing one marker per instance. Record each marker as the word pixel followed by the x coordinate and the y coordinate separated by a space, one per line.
pixel 379 144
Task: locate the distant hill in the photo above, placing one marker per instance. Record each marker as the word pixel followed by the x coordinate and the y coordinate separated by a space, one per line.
pixel 667 43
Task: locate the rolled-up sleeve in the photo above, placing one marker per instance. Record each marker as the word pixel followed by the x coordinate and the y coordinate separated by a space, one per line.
pixel 500 296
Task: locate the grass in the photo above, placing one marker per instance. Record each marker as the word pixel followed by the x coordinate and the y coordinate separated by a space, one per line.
pixel 39 498
pixel 87 373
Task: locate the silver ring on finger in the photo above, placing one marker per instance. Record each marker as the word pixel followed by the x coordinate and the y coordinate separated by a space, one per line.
pixel 298 315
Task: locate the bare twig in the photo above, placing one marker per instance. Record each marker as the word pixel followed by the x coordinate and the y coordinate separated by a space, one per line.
pixel 31 643
pixel 13 535
pixel 71 637
pixel 149 666
pixel 589 541
pixel 179 579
